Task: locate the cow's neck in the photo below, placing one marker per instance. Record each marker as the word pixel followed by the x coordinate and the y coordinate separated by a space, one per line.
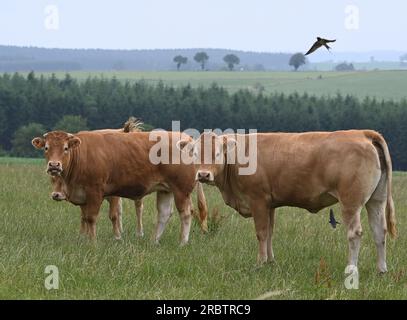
pixel 227 185
pixel 222 180
pixel 72 166
pixel 74 190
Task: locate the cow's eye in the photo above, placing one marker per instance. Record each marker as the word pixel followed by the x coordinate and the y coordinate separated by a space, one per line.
pixel 46 148
pixel 65 149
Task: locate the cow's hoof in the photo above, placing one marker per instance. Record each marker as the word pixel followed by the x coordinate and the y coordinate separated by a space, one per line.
pixel 382 268
pixel 140 234
pixel 204 228
pixel 261 260
pixel 118 238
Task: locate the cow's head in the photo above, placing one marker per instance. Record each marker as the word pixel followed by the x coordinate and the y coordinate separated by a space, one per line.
pixel 210 153
pixel 57 146
pixel 58 191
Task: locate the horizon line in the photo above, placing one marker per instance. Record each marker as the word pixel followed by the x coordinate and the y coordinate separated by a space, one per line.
pixel 187 48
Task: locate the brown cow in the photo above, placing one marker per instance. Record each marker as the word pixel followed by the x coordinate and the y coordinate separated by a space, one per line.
pixel 95 165
pixel 60 192
pixel 310 170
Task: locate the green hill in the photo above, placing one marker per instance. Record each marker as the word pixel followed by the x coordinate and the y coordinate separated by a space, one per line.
pixel 380 84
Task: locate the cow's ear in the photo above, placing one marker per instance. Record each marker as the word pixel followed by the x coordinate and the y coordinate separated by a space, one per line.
pixel 74 142
pixel 38 143
pixel 229 144
pixel 184 145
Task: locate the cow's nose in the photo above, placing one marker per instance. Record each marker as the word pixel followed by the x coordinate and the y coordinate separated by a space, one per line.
pixel 57 196
pixel 54 168
pixel 204 175
pixel 54 164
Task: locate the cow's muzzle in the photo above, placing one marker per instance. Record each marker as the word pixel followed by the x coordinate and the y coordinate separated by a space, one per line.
pixel 204 176
pixel 58 196
pixel 54 168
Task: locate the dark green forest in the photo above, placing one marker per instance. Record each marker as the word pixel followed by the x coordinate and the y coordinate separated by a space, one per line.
pixel 32 105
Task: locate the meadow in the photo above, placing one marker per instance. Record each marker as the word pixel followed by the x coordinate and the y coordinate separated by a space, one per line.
pixel 389 84
pixel 36 231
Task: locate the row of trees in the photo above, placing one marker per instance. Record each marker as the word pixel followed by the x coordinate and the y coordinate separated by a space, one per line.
pixel 33 105
pixel 202 58
pixel 299 59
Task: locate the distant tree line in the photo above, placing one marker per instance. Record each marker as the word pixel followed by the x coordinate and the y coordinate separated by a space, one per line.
pixel 32 105
pixel 17 59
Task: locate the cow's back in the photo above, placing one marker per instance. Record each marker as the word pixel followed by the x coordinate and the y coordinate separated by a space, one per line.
pixel 120 163
pixel 297 168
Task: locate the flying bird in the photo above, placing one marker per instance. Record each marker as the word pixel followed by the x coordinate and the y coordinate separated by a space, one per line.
pixel 332 220
pixel 318 44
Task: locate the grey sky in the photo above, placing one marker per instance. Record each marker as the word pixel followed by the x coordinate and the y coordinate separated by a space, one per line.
pixel 255 25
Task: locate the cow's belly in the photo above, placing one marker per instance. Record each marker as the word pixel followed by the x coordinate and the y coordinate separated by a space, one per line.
pixel 135 191
pixel 312 204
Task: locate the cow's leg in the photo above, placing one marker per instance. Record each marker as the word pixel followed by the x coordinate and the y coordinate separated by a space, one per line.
pixel 115 215
pixel 351 219
pixel 90 211
pixel 261 216
pixel 270 253
pixel 164 204
pixel 377 220
pixel 183 204
pixel 120 214
pixel 139 217
pixel 84 225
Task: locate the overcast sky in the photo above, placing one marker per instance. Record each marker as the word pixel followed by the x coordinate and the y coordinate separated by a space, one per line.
pixel 253 25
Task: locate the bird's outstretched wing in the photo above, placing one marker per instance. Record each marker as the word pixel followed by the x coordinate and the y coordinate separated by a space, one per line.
pixel 314 47
pixel 326 40
pixel 332 219
pixel 331 216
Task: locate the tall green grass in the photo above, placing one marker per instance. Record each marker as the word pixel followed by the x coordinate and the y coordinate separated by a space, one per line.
pixel 36 231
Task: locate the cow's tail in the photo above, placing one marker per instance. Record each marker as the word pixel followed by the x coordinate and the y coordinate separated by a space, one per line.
pixel 390 211
pixel 203 208
pixel 133 125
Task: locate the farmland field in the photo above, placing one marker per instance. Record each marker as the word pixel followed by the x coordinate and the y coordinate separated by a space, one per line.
pixel 380 84
pixel 36 231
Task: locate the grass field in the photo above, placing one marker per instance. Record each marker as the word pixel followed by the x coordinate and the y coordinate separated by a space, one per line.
pixel 36 231
pixel 380 84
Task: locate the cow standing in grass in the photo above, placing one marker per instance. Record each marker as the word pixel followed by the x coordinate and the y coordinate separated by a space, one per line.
pixel 95 165
pixel 310 170
pixel 60 190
